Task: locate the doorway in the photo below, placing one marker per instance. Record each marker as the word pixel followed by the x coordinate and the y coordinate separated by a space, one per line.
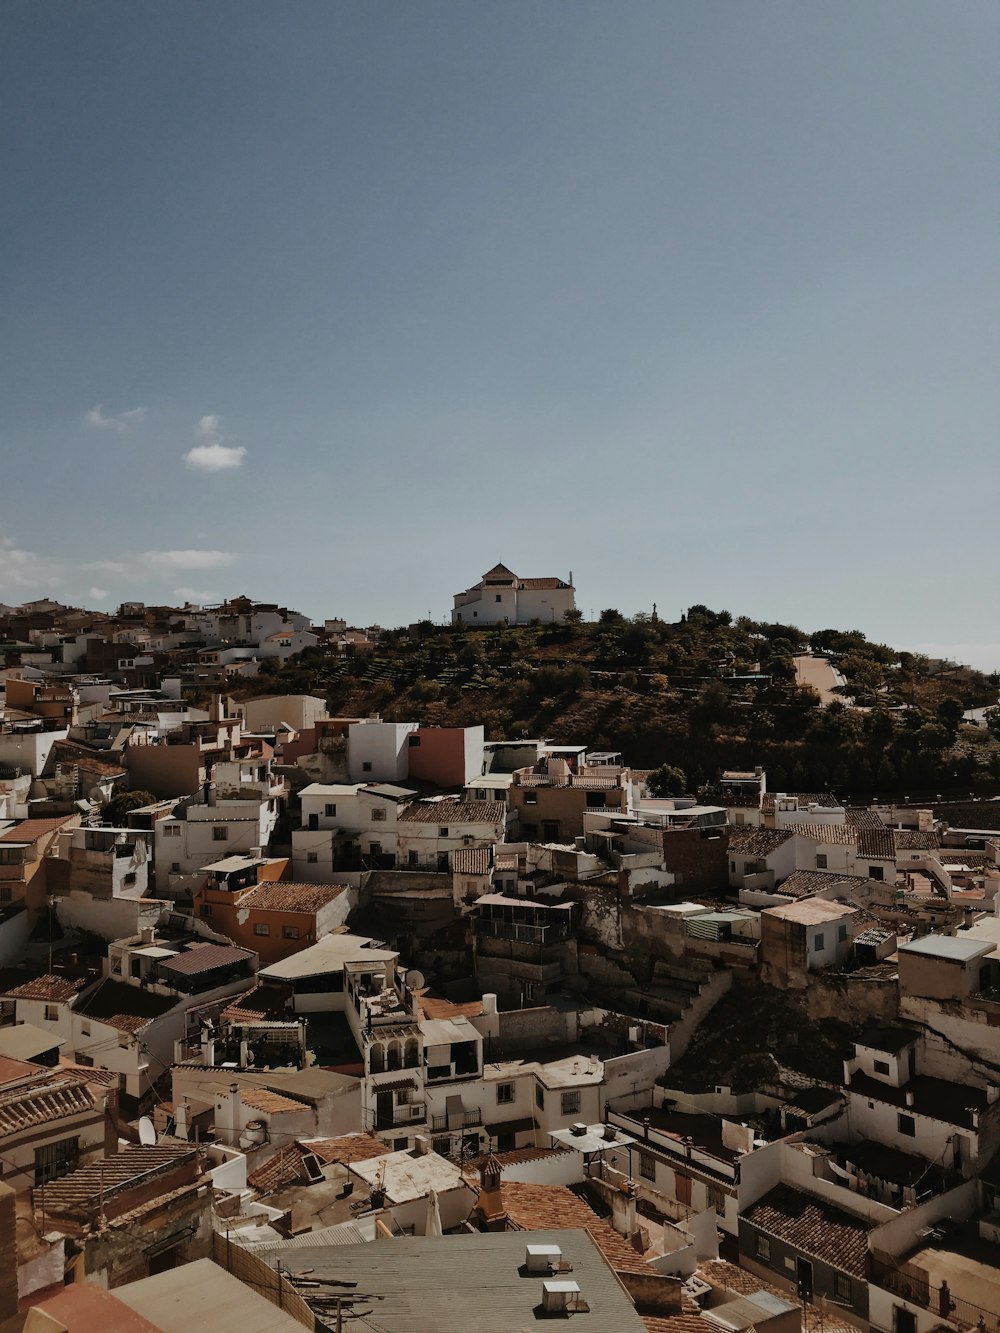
pixel 804 1279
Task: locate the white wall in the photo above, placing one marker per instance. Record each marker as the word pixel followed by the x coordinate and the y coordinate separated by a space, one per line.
pixel 29 750
pixel 384 746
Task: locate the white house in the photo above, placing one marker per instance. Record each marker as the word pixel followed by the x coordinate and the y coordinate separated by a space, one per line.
pixel 429 831
pixel 502 597
pixel 346 827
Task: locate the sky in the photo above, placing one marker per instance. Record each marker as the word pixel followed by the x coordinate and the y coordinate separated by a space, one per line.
pixel 338 304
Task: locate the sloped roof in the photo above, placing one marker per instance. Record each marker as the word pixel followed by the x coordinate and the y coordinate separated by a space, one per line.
pixel 454 812
pixel 127 1008
pixel 472 860
pixel 41 1105
pixel 815 1227
pixel 205 958
pixel 278 896
pixel 745 840
pixel 30 830
pixel 86 1184
pixel 47 987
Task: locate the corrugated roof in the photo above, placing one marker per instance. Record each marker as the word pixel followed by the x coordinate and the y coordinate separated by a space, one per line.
pixel 205 958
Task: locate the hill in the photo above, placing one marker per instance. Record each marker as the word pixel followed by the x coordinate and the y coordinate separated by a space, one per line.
pixel 704 693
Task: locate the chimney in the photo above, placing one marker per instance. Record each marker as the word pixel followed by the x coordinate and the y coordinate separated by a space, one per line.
pixel 909 1097
pixel 490 1209
pixel 147 934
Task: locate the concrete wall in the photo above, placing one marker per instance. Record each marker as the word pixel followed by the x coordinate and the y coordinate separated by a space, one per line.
pixel 110 918
pixel 165 770
pixel 446 756
pixel 29 751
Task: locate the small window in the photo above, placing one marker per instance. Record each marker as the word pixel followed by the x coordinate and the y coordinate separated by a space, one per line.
pixel 539 1097
pixel 570 1103
pixel 261 928
pixel 330 808
pixel 906 1125
pixel 289 932
pixel 842 1288
pixel 366 766
pixel 52 1013
pixel 531 798
pixel 171 830
pixel 740 819
pixel 876 872
pixel 821 860
pixel 595 799
pixel 762 1248
pixel 220 833
pixel 175 867
pixel 732 867
pixel 378 815
pixel 647 1166
pixel 442 832
pixel 413 741
pixel 412 859
pixel 881 1066
pixel 841 933
pixel 818 942
pixel 505 1094
pixel 499 597
pixel 6 895
pixel 130 877
pixel 715 1197
pixel 53 1160
pixel 312 858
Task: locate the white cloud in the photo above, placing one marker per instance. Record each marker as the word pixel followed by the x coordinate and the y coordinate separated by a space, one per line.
pixel 214 455
pixel 171 561
pixel 98 594
pixel 122 422
pixel 20 569
pixel 197 595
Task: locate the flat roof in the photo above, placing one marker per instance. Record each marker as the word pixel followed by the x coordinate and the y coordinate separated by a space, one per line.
pixel 25 1041
pixel 328 954
pixel 453 1283
pixel 203 1295
pixel 956 948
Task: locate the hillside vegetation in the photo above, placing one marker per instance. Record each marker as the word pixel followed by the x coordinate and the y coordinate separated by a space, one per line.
pixel 705 693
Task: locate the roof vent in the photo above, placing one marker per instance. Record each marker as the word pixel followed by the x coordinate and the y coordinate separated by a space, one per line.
pixel 579 1129
pixel 563 1296
pixel 542 1258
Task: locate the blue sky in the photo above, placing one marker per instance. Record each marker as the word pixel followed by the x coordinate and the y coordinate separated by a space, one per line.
pixel 340 303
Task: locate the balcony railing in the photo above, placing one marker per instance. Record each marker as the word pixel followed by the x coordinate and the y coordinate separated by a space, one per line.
pixel 521 932
pixel 912 1284
pixel 459 1120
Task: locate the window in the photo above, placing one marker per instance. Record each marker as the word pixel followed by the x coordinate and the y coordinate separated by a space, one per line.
pixel 330 808
pixel 175 867
pixel 220 833
pixel 876 872
pixel 881 1066
pixel 647 1166
pixel 762 1249
pixel 6 895
pixel 366 766
pixel 289 932
pixel 505 1094
pixel 312 858
pixel 53 1160
pixel 732 867
pixel 906 1125
pixel 443 831
pixel 715 1197
pixel 413 741
pixel 570 1103
pixel 842 1288
pixel 531 798
pixel 818 942
pixel 261 928
pixel 821 860
pixel 499 597
pixel 412 859
pixel 539 1097
pixel 841 933
pixel 740 819
pixel 84 1029
pixel 171 830
pixel 52 1013
pixel 595 799
pixel 130 877
pixel 378 815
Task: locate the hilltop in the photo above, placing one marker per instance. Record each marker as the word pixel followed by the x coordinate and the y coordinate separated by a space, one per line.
pixel 705 693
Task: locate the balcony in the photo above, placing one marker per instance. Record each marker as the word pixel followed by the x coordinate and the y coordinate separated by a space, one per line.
pixel 457 1120
pixel 521 932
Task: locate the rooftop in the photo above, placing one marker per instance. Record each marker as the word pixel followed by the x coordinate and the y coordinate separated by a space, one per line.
pixel 278 896
pixel 127 1008
pixel 455 812
pixel 815 1227
pixel 453 1283
pixel 205 958
pixel 811 911
pixel 203 1295
pixel 748 841
pixel 39 1105
pixel 954 948
pixel 88 1184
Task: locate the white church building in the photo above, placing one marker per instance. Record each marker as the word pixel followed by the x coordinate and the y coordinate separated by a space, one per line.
pixel 502 596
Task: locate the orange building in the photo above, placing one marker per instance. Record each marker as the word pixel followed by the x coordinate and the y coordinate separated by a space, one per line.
pixel 274 918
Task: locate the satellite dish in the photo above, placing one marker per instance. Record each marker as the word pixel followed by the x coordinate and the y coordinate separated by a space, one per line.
pixel 414 979
pixel 147 1134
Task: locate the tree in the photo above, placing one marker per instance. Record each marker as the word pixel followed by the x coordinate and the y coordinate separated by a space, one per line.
pixel 667 781
pixel 573 616
pixel 115 813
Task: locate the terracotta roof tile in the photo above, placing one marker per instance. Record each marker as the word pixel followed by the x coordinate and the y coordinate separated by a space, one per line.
pixel 551 1207
pixel 815 1227
pixel 43 1104
pixel 472 860
pixel 30 830
pixel 277 896
pixel 48 987
pixel 205 958
pixel 347 1148
pixel 455 812
pixel 745 840
pixel 262 1099
pixel 843 835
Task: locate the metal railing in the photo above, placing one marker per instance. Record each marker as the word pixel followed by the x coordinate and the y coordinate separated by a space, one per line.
pixel 912 1284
